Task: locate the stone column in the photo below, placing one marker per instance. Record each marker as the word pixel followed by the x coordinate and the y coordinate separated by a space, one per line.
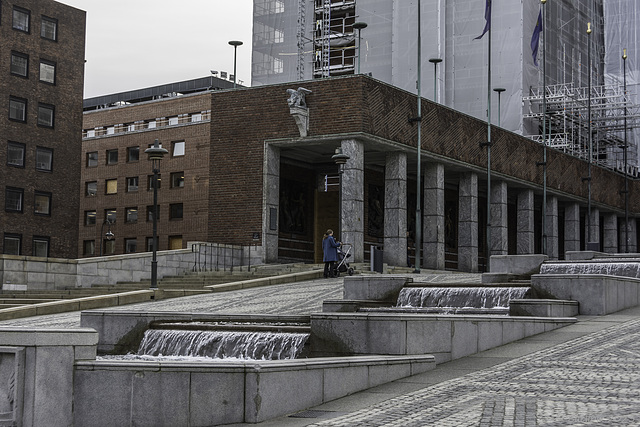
pixel 468 223
pixel 633 244
pixel 525 233
pixel 352 214
pixel 271 202
pixel 433 217
pixel 499 223
pixel 594 228
pixel 610 238
pixel 395 209
pixel 552 227
pixel 572 227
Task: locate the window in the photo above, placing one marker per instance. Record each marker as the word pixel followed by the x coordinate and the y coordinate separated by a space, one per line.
pixel 91 188
pixel 89 217
pixel 111 130
pixel 175 211
pixel 19 64
pixel 12 244
pixel 173 121
pixel 150 244
pixel 109 247
pixel 177 180
pixel 197 117
pixel 47 71
pixel 21 19
pixel 42 203
pixel 130 245
pixel 112 157
pixel 178 148
pixel 40 246
pixel 49 28
pixel 150 182
pixel 151 124
pixel 89 247
pixel 45 115
pixel 111 186
pixel 15 154
pixel 110 215
pixel 150 213
pixel 44 159
pixel 133 154
pixel 18 109
pixel 92 159
pixel 132 215
pixel 13 199
pixel 132 184
pixel 175 242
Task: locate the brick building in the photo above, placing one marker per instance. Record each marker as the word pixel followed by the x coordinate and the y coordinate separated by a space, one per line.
pixel 254 173
pixel 42 51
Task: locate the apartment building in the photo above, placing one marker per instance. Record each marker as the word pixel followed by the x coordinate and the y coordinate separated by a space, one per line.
pixel 42 46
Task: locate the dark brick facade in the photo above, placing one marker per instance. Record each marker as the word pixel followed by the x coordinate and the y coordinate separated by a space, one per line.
pixel 60 47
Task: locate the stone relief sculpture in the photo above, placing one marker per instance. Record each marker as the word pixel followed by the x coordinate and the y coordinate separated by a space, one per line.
pixel 297 97
pixel 298 108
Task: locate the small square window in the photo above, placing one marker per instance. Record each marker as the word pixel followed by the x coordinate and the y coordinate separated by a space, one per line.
pixel 92 159
pixel 150 213
pixel 47 72
pixel 111 186
pixel 19 64
pixel 132 184
pixel 112 157
pixel 13 199
pixel 49 28
pixel 15 154
pixel 21 19
pixel 45 115
pixel 197 117
pixel 150 244
pixel 173 121
pixel 109 247
pixel 18 109
pixel 12 244
pixel 110 215
pixel 177 180
pixel 178 148
pixel 89 217
pixel 175 211
pixel 40 247
pixel 130 246
pixel 132 215
pixel 151 124
pixel 175 242
pixel 133 154
pixel 89 247
pixel 150 181
pixel 44 159
pixel 91 188
pixel 42 203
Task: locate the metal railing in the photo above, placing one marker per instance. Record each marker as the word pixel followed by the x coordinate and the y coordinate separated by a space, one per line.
pixel 219 257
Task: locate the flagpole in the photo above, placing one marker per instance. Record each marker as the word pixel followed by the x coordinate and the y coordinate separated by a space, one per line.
pixel 488 243
pixel 418 240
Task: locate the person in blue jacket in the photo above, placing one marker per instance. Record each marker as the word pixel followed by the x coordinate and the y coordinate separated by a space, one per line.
pixel 330 249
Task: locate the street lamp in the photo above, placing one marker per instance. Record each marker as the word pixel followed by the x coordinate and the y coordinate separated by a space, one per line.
pixel 626 178
pixel 108 235
pixel 435 62
pixel 359 26
pixel 155 153
pixel 340 159
pixel 590 245
pixel 235 44
pixel 499 91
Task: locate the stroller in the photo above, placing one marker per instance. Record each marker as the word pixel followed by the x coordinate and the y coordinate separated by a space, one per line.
pixel 344 252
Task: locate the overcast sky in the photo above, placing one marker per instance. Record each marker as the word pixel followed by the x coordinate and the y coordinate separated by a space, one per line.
pixel 131 44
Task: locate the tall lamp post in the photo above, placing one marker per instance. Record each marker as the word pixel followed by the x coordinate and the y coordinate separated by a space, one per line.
pixel 155 153
pixel 235 44
pixel 435 62
pixel 626 178
pixel 590 246
pixel 340 159
pixel 359 26
pixel 499 91
pixel 108 235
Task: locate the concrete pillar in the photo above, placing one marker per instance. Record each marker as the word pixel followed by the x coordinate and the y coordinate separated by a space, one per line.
pixel 433 217
pixel 610 229
pixel 499 223
pixel 525 233
pixel 594 228
pixel 552 227
pixel 395 209
pixel 632 243
pixel 572 227
pixel 468 223
pixel 352 214
pixel 271 202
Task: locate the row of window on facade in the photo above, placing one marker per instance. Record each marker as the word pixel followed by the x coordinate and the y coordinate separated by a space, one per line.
pixel 132 184
pixel 176 212
pixel 21 21
pixel 18 112
pixel 20 67
pixel 14 199
pixel 147 124
pixel 16 153
pixel 12 245
pixel 130 245
pixel 133 154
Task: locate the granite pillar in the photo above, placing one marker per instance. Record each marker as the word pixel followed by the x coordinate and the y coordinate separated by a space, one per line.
pixel 592 230
pixel 631 231
pixel 525 233
pixel 610 230
pixel 552 228
pixel 352 214
pixel 499 223
pixel 468 222
pixel 572 227
pixel 433 217
pixel 395 210
pixel 271 202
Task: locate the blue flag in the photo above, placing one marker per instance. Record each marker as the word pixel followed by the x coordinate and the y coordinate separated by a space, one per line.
pixel 487 17
pixel 535 38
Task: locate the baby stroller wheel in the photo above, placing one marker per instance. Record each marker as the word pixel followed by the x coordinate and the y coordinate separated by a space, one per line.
pixel 337 273
pixel 350 271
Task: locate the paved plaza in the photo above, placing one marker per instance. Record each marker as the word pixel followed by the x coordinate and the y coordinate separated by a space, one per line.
pixel 586 374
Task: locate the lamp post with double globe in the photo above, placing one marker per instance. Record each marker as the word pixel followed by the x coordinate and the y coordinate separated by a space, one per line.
pixel 155 153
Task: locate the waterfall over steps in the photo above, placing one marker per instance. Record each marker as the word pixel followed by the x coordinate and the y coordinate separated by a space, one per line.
pixel 460 297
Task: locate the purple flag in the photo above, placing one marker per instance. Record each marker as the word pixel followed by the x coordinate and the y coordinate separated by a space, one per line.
pixel 487 17
pixel 535 38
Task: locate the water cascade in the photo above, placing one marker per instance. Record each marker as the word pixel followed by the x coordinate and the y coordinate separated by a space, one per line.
pixel 609 267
